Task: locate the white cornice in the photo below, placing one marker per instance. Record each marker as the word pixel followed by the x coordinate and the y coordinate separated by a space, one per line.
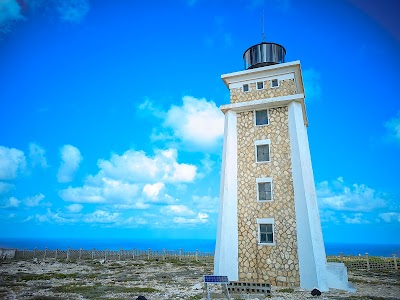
pixel 268 71
pixel 267 103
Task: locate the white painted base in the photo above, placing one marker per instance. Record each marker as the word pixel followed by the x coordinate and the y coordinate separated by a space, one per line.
pixel 337 277
pixel 226 262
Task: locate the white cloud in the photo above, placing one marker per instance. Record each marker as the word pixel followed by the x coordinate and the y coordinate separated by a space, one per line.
pixel 34 201
pixel 85 194
pixel 153 190
pixel 10 12
pixel 389 217
pixel 37 155
pixel 12 162
pixel 356 218
pixel 72 11
pixel 74 208
pixel 101 216
pixel 357 197
pixel 5 187
pixel 197 122
pixel 201 218
pixel 13 202
pixel 71 158
pixel 136 166
pixel 393 127
pixel 312 84
pixel 180 210
pixel 206 203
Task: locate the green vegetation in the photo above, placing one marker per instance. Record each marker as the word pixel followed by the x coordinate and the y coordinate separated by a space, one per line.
pixel 286 290
pixel 98 291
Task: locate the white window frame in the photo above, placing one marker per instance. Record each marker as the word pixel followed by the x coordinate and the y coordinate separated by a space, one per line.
pixel 255 117
pixel 248 88
pixel 266 221
pixel 260 143
pixel 264 180
pixel 258 83
pixel 276 86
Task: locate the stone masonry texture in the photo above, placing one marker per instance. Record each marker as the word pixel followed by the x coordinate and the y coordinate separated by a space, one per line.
pixel 276 264
pixel 286 87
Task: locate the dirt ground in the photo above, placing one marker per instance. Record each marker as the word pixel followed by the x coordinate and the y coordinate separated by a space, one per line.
pixel 156 280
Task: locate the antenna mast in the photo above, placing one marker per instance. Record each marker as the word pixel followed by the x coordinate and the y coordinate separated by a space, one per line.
pixel 263 35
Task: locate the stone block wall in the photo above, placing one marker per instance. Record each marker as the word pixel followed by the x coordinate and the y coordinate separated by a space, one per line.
pixel 277 264
pixel 286 87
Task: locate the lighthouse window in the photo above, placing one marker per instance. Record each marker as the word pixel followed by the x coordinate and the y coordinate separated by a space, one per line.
pixel 262 150
pixel 264 189
pixel 274 83
pixel 261 117
pixel 260 85
pixel 266 231
pixel 245 87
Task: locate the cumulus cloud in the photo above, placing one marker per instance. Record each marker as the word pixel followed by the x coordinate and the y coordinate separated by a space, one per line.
pixel 12 202
pixel 197 123
pixel 180 210
pixel 12 162
pixel 37 155
pixel 71 158
pixel 101 216
pixel 200 218
pixel 136 166
pixel 357 218
pixel 312 84
pixel 338 196
pixel 10 12
pixel 153 190
pixel 390 217
pixel 72 11
pixel 5 187
pixel 393 128
pixel 34 201
pixel 74 208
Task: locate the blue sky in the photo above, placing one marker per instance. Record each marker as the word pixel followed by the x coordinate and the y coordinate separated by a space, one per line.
pixel 110 126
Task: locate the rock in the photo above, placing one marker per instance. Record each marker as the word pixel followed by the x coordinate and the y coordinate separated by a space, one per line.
pixel 316 292
pixel 197 286
pixel 141 298
pixel 102 261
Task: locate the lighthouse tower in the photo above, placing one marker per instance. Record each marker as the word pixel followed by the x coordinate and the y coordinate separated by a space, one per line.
pixel 269 227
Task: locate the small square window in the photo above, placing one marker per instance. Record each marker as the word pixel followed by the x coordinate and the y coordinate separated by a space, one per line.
pixel 260 85
pixel 262 154
pixel 266 234
pixel 245 87
pixel 274 83
pixel 264 191
pixel 261 117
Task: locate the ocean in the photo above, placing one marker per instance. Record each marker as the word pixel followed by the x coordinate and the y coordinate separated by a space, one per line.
pixel 203 245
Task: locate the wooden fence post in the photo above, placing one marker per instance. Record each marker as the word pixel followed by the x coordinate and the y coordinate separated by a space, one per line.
pixel 395 262
pixel 105 255
pixel 133 253
pixel 80 253
pixel 180 253
pixel 164 254
pixel 341 256
pixel 148 254
pixel 34 253
pixel 45 253
pixel 93 253
pixel 56 253
pixel 68 252
pixel 197 254
pixel 120 253
pixel 367 257
pixel 23 253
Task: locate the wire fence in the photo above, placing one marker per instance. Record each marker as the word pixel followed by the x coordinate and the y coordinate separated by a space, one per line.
pixel 77 254
pixel 366 262
pixel 362 262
